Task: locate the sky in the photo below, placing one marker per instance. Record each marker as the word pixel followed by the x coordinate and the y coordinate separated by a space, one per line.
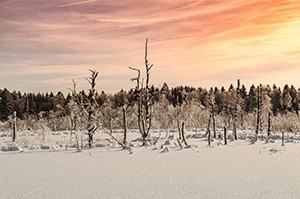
pixel 203 43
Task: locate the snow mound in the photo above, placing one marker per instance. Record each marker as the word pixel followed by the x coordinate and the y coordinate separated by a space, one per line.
pixel 197 136
pixel 3 135
pixel 137 140
pixel 100 145
pixel 45 147
pixel 171 137
pixel 11 148
pixel 167 142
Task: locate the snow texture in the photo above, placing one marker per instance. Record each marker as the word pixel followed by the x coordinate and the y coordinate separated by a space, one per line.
pixel 237 170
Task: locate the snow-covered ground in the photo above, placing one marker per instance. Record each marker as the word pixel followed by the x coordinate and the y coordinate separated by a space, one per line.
pixel 51 168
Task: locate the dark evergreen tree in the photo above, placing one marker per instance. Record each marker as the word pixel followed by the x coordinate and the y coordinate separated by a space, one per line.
pixel 6 104
pixel 251 100
pixel 276 100
pixel 295 100
pixel 286 99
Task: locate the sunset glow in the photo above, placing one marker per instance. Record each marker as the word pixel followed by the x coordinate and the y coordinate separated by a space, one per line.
pixel 201 43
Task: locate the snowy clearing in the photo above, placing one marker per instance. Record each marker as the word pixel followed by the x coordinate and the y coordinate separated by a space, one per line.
pixel 238 170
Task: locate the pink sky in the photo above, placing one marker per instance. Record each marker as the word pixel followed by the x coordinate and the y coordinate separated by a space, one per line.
pixel 205 43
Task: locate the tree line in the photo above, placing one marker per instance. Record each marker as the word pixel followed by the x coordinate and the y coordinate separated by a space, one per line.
pixel 44 104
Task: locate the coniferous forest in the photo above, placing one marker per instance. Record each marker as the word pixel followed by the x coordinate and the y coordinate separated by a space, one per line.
pixel 189 104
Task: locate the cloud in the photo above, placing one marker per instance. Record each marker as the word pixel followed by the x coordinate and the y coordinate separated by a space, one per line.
pixel 191 41
pixel 76 3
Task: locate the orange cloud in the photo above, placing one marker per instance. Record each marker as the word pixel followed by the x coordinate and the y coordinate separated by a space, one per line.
pixel 195 42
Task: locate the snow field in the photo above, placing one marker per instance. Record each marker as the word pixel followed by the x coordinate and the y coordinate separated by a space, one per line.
pixel 238 170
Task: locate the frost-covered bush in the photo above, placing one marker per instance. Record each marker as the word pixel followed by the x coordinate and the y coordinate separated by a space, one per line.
pixel 288 122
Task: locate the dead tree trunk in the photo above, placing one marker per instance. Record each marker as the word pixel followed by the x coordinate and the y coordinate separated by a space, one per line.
pixel 208 129
pixel 183 136
pixel 269 124
pixel 235 114
pixel 179 130
pixel 282 139
pixel 213 118
pixel 148 104
pixel 209 137
pixel 90 129
pixel 214 125
pixel 92 103
pixel 258 116
pixel 14 126
pixel 124 125
pixel 225 136
pixel 145 101
pixel 139 96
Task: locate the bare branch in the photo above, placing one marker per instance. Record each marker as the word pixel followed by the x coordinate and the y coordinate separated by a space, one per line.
pixel 146 51
pixel 139 73
pixel 95 129
pixel 110 134
pixel 88 80
pixel 157 139
pixel 149 68
pixel 73 90
pixel 74 85
pixel 137 79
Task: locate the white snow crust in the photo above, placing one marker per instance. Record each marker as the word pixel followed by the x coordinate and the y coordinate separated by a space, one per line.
pixel 49 169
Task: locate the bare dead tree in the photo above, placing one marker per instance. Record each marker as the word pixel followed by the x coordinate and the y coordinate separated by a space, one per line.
pixel 225 135
pixel 88 107
pixel 138 92
pixel 144 99
pixel 92 103
pixel 148 104
pixel 208 132
pixel 212 114
pixel 259 112
pixel 183 134
pixel 124 126
pixel 235 113
pixel 75 105
pixel 14 126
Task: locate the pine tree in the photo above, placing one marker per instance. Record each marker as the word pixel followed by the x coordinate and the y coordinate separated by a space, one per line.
pixel 276 100
pixel 6 105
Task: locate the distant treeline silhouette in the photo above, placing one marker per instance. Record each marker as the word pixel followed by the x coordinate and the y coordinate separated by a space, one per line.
pixel 36 105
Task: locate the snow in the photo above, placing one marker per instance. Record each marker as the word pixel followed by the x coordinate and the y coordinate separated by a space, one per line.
pixel 237 170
